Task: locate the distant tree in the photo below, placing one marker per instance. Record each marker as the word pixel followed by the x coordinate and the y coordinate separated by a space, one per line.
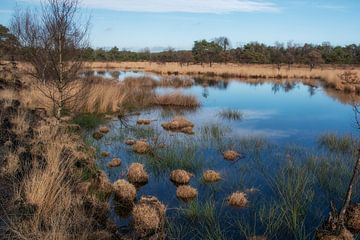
pixel 206 52
pixel 223 42
pixel 113 54
pixel 314 58
pixel 185 57
pixel 55 42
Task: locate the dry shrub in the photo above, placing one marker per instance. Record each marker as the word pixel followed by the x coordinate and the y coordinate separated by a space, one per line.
pixel 104 129
pixel 179 124
pixel 143 121
pixel 21 123
pixel 180 176
pixel 343 235
pixel 148 216
pixel 137 174
pixel 177 100
pixel 141 147
pixel 211 176
pixel 124 190
pixel 11 164
pixel 59 213
pixel 353 218
pixel 231 155
pixel 185 192
pixel 238 199
pixel 115 162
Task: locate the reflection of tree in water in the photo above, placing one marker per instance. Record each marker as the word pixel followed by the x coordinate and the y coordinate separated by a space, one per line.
pixel 100 72
pixel 205 92
pixel 275 87
pixel 88 73
pixel 289 86
pixel 220 84
pixel 286 87
pixel 311 90
pixel 115 74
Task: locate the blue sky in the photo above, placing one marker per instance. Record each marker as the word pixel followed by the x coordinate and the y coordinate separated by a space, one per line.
pixel 135 24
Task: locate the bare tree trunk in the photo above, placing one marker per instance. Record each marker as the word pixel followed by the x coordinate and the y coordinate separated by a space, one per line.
pixel 60 104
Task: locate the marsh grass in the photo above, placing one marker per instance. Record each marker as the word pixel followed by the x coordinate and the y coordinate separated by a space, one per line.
pixel 231 114
pixel 177 155
pixel 340 144
pixel 88 120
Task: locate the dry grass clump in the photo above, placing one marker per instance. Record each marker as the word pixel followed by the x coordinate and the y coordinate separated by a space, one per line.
pixel 185 192
pixel 231 155
pixel 124 190
pixel 179 124
pixel 115 162
pixel 353 218
pixel 50 193
pixel 180 176
pixel 104 129
pixel 143 121
pixel 238 199
pixel 211 176
pixel 149 215
pixel 97 135
pixel 104 154
pixel 130 142
pixel 137 174
pixel 177 100
pixel 141 147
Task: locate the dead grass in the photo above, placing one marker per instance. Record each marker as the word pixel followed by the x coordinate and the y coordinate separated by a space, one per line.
pixel 141 147
pixel 186 193
pixel 238 199
pixel 180 176
pixel 148 216
pixel 231 155
pixel 137 174
pixel 211 176
pixel 177 100
pixel 115 162
pixel 124 190
pixel 58 211
pixel 179 124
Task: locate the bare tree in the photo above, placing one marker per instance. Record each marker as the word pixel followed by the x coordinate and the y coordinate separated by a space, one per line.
pixel 54 43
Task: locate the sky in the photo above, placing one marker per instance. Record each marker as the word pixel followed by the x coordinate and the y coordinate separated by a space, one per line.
pixel 158 24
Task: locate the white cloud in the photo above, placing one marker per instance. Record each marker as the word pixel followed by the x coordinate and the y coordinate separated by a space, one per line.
pixel 190 6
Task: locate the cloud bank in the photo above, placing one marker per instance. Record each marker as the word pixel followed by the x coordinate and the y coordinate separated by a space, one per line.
pixel 187 6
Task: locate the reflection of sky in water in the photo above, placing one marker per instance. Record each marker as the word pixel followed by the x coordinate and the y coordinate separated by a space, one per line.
pixel 121 75
pixel 284 114
pixel 295 115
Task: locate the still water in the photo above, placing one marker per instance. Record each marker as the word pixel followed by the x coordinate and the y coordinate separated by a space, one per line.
pixel 278 136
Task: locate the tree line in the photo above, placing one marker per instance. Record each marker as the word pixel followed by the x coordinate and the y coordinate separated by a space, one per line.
pixel 217 50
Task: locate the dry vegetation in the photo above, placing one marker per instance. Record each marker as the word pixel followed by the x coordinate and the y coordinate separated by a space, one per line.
pixel 42 172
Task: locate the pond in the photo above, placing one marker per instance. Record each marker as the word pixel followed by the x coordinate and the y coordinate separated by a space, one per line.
pixel 297 144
